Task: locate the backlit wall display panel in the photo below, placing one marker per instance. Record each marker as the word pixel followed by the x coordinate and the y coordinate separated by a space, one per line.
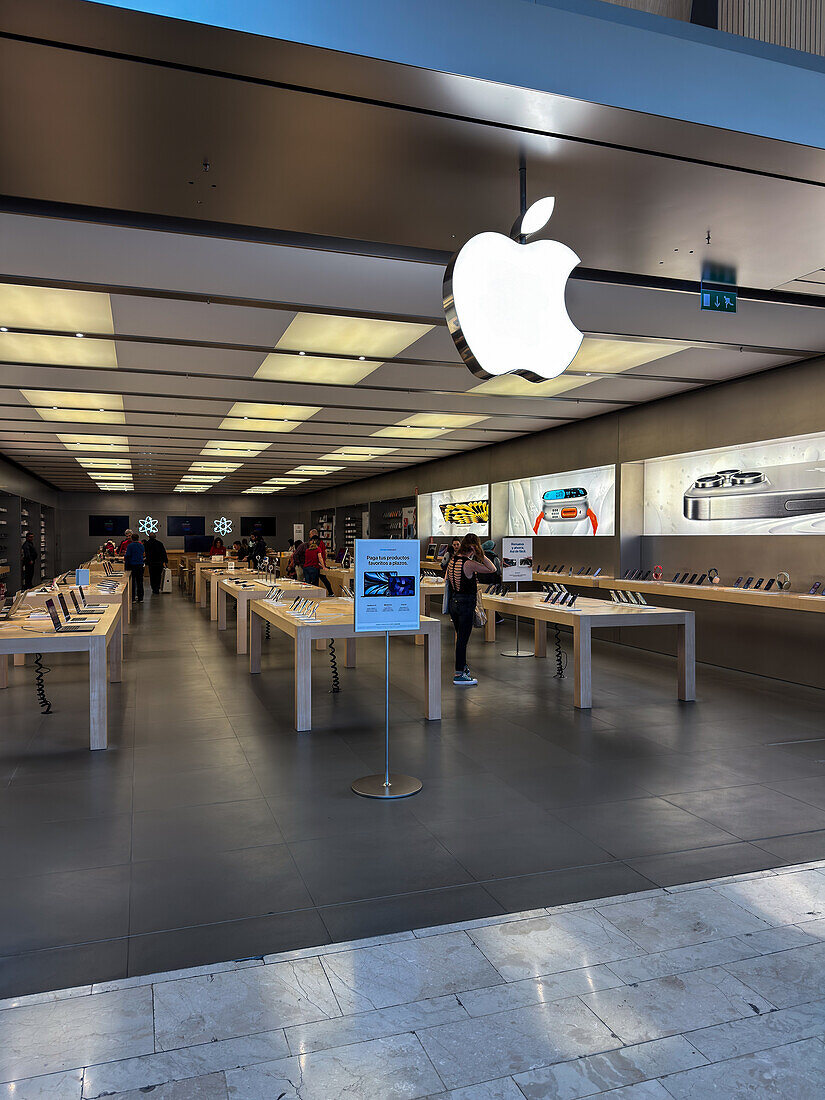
pixel 579 502
pixel 461 512
pixel 776 487
pixel 185 525
pixel 106 526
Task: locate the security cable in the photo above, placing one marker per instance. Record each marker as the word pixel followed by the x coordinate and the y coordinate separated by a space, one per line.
pixel 561 656
pixel 333 665
pixel 40 687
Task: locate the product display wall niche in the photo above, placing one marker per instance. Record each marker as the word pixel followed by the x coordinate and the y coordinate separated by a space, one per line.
pixel 461 512
pixel 776 487
pixel 578 502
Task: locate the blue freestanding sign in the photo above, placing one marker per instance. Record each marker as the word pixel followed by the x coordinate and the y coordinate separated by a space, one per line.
pixel 386 584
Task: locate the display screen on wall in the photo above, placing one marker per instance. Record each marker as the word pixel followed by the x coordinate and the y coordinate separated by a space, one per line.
pixel 257 525
pixel 181 526
pixel 105 526
pixel 461 512
pixel 776 487
pixel 578 502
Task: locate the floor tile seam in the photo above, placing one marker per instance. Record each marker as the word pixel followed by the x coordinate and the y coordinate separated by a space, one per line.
pixel 733 1058
pixel 738 786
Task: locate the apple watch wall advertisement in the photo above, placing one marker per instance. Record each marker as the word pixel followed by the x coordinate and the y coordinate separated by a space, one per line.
pixel 576 502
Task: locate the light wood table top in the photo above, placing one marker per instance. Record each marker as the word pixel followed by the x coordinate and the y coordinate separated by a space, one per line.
pixel 717 593
pixel 335 620
pixel 25 635
pixel 243 589
pixel 590 614
pixel 574 581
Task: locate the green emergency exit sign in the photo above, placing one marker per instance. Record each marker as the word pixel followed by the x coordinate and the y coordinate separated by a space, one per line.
pixel 718 301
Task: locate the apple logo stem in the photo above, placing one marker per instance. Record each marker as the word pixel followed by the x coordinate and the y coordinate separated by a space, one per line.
pixel 504 301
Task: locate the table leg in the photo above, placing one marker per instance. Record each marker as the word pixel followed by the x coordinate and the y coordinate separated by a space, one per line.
pixel 255 624
pixel 125 609
pixel 349 653
pixel 4 670
pixel 687 660
pixel 303 681
pixel 213 602
pixel 116 656
pixel 20 658
pixel 539 638
pixel 432 675
pixel 222 609
pixel 201 582
pixel 490 626
pixel 582 686
pixel 241 628
pixel 98 692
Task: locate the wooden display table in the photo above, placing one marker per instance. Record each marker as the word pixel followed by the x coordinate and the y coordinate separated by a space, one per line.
pixel 717 593
pixel 594 614
pixel 335 620
pixel 224 587
pixel 431 566
pixel 570 582
pixel 198 568
pixel 22 635
pixel 35 598
pixel 339 577
pixel 210 585
pixel 429 588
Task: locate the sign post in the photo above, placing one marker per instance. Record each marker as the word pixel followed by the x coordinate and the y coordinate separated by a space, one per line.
pixel 386 598
pixel 516 565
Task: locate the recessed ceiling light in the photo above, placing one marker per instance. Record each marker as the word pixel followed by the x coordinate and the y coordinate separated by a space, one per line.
pixel 302 353
pixel 79 335
pixel 362 358
pixel 3 328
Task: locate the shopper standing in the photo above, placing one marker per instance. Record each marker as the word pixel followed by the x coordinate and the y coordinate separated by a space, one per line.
pixel 449 553
pixel 314 560
pixel 121 550
pixel 323 547
pixel 134 560
pixel 461 577
pixel 296 562
pixel 28 556
pixel 156 561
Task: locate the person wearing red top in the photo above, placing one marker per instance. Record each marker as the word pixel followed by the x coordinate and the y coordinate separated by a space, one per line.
pixel 314 558
pixel 122 548
pixel 322 546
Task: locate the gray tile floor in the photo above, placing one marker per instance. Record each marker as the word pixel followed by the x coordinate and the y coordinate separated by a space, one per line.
pixel 714 989
pixel 211 831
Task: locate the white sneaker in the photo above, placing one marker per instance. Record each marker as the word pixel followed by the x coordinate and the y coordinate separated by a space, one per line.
pixel 464 679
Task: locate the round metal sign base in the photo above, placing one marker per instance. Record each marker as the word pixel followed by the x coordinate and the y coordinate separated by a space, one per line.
pixel 373 786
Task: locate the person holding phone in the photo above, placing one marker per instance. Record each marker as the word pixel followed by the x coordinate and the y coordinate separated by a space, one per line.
pixel 461 573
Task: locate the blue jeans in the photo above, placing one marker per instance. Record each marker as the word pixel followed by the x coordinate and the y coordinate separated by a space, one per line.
pixel 311 574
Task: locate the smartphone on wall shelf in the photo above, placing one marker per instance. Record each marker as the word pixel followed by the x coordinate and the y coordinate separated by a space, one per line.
pixel 770 583
pixel 739 581
pixel 646 576
pixel 748 582
pixel 597 571
pixel 693 577
pixel 683 578
pixel 675 578
pixel 814 587
pixel 702 579
pixel 759 583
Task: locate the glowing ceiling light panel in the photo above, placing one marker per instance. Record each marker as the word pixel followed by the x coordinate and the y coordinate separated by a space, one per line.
pixel 504 302
pixel 329 336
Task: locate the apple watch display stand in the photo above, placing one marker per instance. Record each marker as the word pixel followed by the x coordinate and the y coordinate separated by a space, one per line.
pixel 516 652
pixel 389 784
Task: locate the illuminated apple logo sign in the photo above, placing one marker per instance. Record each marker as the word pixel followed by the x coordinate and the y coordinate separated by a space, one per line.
pixel 504 302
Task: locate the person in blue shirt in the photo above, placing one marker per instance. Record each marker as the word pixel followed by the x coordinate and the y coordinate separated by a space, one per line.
pixel 134 558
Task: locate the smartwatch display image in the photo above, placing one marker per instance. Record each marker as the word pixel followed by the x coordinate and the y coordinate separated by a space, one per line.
pixel 565 506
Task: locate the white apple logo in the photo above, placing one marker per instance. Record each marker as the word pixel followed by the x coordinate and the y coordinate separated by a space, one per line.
pixel 504 302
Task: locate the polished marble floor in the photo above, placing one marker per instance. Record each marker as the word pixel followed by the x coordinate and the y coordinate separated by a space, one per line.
pixel 713 989
pixel 210 831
